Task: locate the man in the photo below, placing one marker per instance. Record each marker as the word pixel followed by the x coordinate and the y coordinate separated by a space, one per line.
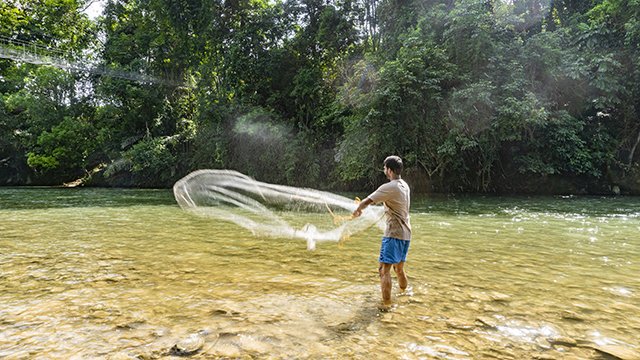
pixel 397 235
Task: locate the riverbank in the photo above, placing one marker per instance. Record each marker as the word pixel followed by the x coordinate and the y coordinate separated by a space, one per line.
pixel 514 183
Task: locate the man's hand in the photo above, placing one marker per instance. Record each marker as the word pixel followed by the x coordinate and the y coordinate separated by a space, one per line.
pixel 361 206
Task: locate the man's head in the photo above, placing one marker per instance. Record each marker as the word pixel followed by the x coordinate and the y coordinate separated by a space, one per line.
pixel 394 163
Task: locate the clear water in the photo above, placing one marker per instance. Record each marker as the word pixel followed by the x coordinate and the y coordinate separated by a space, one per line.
pixel 125 274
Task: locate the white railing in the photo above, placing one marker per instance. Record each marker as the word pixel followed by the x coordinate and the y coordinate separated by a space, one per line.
pixel 22 51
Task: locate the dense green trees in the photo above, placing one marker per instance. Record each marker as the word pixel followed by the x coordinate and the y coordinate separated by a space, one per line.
pixel 45 115
pixel 483 96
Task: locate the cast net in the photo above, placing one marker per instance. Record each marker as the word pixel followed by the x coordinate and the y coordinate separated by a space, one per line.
pixel 273 210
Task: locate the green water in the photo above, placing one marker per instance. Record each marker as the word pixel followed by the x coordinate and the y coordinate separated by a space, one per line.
pixel 126 274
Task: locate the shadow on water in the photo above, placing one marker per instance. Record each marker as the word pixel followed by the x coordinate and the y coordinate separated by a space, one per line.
pixel 25 198
pixel 361 319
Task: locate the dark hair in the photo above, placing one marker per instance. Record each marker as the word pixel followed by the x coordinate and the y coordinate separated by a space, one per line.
pixel 394 163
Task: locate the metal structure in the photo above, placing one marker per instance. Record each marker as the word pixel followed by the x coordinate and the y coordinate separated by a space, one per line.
pixel 32 53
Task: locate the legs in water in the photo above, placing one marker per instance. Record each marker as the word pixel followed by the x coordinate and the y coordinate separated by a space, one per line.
pixel 385 280
pixel 402 277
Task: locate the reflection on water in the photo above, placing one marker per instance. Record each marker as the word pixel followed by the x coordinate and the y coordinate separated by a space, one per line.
pixel 125 274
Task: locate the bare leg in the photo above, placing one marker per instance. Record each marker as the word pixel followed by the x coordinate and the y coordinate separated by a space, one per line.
pixel 402 277
pixel 385 282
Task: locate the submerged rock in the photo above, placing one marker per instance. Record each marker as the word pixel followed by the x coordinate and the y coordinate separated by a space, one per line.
pixel 188 346
pixel 620 352
pixel 486 322
pixel 564 341
pixel 571 315
pixel 496 296
pixel 542 343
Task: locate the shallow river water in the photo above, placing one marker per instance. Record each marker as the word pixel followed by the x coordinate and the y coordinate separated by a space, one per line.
pixel 126 274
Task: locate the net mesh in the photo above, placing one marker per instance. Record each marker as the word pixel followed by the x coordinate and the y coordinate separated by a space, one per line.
pixel 273 210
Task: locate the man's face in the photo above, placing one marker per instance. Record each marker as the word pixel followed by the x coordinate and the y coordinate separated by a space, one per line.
pixel 387 172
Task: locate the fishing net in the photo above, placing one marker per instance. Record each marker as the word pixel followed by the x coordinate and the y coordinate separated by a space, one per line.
pixel 273 210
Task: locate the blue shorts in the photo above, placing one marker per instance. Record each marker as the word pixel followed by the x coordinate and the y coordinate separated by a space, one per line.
pixel 393 250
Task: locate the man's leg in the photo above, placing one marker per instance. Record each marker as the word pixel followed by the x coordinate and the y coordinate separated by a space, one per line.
pixel 402 277
pixel 385 282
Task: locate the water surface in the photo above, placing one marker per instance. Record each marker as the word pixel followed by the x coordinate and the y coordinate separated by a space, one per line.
pixel 126 274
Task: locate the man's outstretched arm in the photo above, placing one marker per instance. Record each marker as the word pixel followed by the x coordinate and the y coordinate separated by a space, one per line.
pixel 363 204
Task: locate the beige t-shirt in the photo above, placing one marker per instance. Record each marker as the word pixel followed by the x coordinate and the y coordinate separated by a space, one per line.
pixel 396 198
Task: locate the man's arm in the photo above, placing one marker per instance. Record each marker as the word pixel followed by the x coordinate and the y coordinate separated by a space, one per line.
pixel 363 204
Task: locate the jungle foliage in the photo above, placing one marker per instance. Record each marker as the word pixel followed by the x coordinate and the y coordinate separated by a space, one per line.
pixel 476 96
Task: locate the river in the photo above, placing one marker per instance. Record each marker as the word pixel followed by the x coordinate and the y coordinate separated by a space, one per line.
pixel 126 274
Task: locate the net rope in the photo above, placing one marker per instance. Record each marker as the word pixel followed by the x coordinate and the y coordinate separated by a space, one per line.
pixel 272 210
